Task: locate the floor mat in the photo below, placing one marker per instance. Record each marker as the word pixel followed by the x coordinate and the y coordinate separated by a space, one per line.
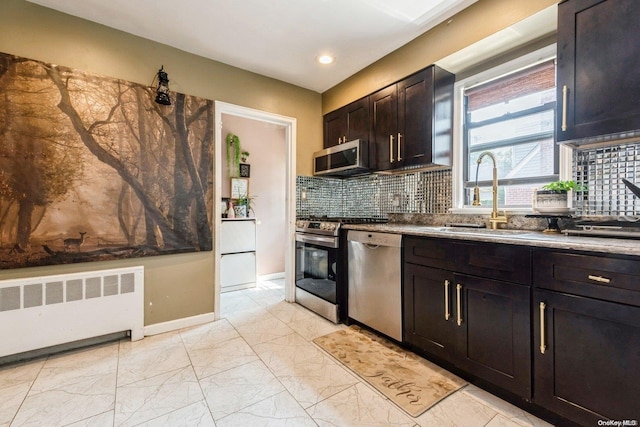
pixel 411 382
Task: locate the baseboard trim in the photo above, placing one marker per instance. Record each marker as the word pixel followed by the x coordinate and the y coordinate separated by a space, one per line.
pixel 272 276
pixel 174 325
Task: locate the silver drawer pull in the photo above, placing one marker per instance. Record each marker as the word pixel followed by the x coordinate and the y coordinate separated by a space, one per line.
pixel 599 279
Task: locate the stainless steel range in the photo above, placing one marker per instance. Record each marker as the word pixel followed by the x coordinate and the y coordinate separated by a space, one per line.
pixel 321 277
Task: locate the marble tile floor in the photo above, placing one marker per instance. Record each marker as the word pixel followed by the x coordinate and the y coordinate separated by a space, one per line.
pixel 256 366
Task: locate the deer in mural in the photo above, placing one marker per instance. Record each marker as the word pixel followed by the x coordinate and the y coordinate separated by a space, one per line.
pixel 74 243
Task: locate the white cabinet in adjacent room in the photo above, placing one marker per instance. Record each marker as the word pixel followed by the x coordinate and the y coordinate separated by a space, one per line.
pixel 238 254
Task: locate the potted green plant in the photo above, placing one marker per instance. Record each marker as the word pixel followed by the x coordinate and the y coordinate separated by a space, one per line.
pixel 244 156
pixel 234 152
pixel 555 197
pixel 245 206
pixel 562 186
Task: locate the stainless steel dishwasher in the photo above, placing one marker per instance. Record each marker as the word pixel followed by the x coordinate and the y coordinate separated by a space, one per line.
pixel 375 281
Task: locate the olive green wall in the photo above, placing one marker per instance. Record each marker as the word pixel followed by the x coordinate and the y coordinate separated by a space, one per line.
pixel 475 23
pixel 177 286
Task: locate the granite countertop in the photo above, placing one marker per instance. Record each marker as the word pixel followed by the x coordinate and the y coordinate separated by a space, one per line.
pixel 510 236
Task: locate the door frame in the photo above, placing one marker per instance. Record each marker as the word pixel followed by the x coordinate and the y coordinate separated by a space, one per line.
pixel 290 191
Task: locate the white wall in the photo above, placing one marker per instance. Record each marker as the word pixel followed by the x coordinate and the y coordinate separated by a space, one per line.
pixel 267 145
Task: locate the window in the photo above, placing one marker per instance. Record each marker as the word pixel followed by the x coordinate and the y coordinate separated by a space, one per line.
pixel 511 116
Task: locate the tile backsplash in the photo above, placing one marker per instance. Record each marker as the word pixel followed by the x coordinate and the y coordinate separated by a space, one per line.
pixel 374 195
pixel 600 171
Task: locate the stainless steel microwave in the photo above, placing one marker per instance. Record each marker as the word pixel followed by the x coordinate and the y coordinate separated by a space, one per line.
pixel 350 158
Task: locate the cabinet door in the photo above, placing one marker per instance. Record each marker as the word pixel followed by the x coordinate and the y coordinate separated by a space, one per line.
pixel 237 236
pixel 597 68
pixel 384 126
pixel 428 314
pixel 335 127
pixel 589 369
pixel 493 329
pixel 415 112
pixel 358 120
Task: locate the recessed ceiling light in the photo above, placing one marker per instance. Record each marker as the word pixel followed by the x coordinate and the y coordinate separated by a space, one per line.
pixel 326 59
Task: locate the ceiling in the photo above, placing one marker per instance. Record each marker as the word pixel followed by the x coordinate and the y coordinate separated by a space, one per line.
pixel 276 38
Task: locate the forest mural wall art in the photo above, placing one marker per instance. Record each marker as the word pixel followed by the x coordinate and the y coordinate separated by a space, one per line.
pixel 91 168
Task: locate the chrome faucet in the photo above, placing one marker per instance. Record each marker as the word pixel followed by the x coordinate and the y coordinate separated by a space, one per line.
pixel 495 219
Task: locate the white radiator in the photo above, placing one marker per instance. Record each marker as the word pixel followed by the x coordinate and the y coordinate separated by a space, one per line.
pixel 39 312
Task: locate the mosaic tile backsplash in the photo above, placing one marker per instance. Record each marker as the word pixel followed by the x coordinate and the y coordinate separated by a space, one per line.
pixel 374 195
pixel 600 171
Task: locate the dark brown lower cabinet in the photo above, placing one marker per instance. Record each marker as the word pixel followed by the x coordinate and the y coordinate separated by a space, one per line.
pixel 428 313
pixel 587 357
pixel 480 325
pixel 493 325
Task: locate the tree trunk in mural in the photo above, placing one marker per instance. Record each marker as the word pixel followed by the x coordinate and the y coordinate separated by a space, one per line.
pixel 197 190
pixel 145 161
pixel 168 234
pixel 182 196
pixel 24 223
pixel 206 160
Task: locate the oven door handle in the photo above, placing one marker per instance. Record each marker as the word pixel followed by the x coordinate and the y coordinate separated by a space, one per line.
pixel 327 241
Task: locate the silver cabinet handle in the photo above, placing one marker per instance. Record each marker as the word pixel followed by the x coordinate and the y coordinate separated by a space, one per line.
pixel 399 143
pixel 565 91
pixel 543 347
pixel 391 148
pixel 447 313
pixel 458 304
pixel 344 139
pixel 599 279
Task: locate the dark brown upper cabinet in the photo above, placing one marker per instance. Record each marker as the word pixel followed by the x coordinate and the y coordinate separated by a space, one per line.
pixel 347 123
pixel 411 121
pixel 598 90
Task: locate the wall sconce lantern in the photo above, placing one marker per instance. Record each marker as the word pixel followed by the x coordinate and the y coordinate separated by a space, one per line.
pixel 162 91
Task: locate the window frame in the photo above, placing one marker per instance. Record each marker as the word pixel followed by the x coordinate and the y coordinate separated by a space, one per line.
pixel 459 150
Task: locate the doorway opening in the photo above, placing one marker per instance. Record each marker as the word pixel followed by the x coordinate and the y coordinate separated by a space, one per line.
pixel 289 125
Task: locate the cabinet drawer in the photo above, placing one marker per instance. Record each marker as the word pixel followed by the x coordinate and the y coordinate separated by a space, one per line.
pixel 429 252
pixel 603 277
pixel 237 236
pixel 494 261
pixel 237 269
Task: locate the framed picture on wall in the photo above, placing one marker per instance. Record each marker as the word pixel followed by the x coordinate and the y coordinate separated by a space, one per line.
pixel 239 187
pixel 245 170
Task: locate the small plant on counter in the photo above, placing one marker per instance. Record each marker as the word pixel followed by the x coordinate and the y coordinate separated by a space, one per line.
pixel 247 201
pixel 560 186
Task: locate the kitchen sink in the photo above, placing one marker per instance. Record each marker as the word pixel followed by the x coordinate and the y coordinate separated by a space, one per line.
pixel 483 231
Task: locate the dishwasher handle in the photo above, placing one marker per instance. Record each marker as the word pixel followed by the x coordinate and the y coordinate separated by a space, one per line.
pixel 371 239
